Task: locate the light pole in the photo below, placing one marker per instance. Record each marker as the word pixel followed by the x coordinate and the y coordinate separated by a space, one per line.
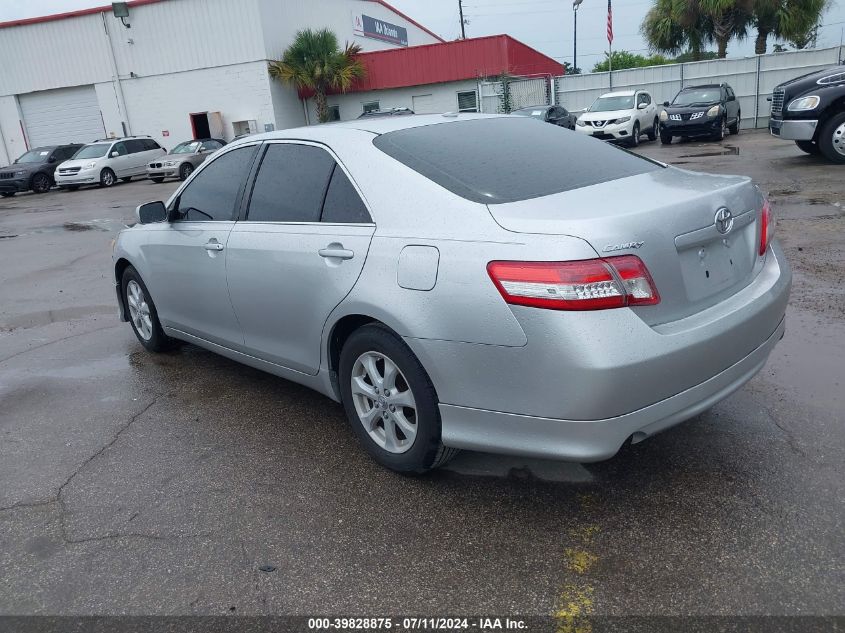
pixel 575 5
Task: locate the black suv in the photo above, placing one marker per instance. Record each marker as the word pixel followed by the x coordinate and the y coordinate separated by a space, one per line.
pixel 34 170
pixel 810 110
pixel 710 110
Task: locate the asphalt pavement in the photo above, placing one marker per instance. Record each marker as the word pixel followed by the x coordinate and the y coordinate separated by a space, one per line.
pixel 187 484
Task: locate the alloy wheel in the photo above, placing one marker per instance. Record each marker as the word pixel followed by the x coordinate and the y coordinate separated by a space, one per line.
pixel 139 310
pixel 107 178
pixel 838 139
pixel 384 402
pixel 41 183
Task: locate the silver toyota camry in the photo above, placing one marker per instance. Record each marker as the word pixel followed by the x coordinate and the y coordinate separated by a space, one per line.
pixel 465 282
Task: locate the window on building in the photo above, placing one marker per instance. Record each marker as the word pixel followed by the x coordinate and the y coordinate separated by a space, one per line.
pixel 468 101
pixel 334 113
pixel 371 106
pixel 214 192
pixel 291 184
pixel 343 204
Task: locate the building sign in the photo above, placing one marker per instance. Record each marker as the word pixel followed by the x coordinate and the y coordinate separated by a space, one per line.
pixel 379 30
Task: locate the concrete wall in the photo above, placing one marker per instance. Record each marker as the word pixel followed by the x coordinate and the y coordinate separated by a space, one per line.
pixel 444 98
pixel 239 92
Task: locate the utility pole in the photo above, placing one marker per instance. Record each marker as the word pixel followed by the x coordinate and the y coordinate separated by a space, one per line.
pixel 575 5
pixel 461 12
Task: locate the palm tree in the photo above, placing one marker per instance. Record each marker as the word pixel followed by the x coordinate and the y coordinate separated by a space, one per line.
pixel 730 18
pixel 314 61
pixel 792 20
pixel 674 26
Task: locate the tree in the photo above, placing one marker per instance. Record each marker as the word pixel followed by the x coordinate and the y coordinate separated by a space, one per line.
pixel 624 59
pixel 793 20
pixel 314 61
pixel 569 69
pixel 673 26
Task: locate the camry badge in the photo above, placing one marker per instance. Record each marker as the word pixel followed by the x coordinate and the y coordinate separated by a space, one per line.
pixel 622 247
pixel 724 220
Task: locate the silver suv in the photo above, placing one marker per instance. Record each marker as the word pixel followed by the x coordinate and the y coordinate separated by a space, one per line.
pixel 103 162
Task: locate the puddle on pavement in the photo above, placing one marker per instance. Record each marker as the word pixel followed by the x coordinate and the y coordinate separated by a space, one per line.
pixel 102 225
pixel 473 464
pixel 727 150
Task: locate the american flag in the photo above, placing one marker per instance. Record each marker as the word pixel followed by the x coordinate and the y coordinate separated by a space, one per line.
pixel 609 23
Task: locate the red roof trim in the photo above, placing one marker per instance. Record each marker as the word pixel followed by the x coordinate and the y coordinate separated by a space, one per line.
pixel 446 62
pixel 411 20
pixel 70 14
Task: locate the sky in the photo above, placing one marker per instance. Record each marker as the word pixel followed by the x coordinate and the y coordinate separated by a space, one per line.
pixel 546 25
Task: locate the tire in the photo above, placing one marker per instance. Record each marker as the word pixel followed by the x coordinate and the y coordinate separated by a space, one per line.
pixel 734 129
pixel 148 330
pixel 831 139
pixel 665 139
pixel 157 180
pixel 126 179
pixel 655 131
pixel 723 130
pixel 366 352
pixel 107 178
pixel 809 147
pixel 7 194
pixel 185 170
pixel 41 183
pixel 635 135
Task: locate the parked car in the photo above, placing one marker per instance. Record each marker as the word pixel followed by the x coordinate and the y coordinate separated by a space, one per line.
pixel 183 159
pixel 810 110
pixel 620 116
pixel 390 112
pixel 709 110
pixel 558 115
pixel 103 162
pixel 448 302
pixel 34 170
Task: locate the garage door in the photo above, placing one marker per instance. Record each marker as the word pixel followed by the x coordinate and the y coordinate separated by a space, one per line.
pixel 422 104
pixel 65 115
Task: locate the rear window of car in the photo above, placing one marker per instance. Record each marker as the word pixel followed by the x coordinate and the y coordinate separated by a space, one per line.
pixel 507 159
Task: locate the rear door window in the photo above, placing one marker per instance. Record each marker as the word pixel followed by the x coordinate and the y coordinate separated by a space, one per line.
pixel 133 146
pixel 291 184
pixel 215 191
pixel 506 159
pixel 343 204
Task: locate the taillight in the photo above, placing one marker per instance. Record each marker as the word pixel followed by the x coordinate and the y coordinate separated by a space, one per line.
pixel 767 226
pixel 589 284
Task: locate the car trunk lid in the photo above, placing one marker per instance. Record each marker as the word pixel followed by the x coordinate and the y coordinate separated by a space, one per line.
pixel 668 218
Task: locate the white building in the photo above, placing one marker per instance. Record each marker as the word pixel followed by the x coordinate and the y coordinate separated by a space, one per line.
pixel 174 69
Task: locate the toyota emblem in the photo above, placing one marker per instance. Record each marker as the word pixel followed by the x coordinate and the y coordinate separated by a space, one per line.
pixel 724 220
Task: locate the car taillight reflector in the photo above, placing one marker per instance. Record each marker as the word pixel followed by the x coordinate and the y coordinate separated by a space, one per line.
pixel 590 284
pixel 767 226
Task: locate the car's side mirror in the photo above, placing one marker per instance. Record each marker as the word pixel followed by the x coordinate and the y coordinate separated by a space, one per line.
pixel 115 154
pixel 731 97
pixel 151 212
pixel 665 104
pixel 642 106
pixel 52 159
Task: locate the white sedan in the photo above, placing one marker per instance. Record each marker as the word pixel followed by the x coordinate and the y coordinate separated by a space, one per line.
pixel 621 116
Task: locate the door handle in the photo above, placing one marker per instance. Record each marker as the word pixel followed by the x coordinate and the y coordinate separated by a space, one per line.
pixel 336 253
pixel 213 246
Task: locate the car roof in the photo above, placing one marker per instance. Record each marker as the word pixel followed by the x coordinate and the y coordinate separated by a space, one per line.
pixel 534 107
pixel 620 93
pixel 703 86
pixel 375 125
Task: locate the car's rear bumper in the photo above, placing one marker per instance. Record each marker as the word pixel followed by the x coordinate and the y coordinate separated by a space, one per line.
pixel 793 130
pixel 593 440
pixel 588 368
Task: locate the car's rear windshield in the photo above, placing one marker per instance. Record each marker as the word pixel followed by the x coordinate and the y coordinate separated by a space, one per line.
pixel 506 159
